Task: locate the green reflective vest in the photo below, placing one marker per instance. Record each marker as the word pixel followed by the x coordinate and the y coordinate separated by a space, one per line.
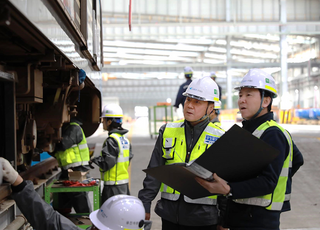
pixel 75 156
pixel 273 201
pixel 175 151
pixel 119 174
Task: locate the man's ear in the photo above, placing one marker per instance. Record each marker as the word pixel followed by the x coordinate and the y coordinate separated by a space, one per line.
pixel 266 102
pixel 210 108
pixel 109 122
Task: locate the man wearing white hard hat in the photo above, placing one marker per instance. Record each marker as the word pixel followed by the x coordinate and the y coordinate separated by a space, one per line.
pixel 258 202
pixel 117 213
pixel 116 154
pixel 184 141
pixel 188 72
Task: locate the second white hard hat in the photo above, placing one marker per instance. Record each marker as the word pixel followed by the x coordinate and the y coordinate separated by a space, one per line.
pixel 213 74
pixel 112 110
pixel 256 78
pixel 203 89
pixel 188 70
pixel 118 213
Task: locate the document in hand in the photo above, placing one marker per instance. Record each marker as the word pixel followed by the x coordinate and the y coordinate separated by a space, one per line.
pixel 235 156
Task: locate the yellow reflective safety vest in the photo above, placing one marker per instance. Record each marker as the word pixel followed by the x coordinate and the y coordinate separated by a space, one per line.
pixel 175 151
pixel 273 201
pixel 75 156
pixel 118 174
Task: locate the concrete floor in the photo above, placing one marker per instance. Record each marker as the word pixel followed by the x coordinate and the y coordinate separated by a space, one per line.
pixel 305 201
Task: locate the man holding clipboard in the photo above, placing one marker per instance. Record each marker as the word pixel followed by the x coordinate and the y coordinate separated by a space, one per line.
pixel 183 142
pixel 257 203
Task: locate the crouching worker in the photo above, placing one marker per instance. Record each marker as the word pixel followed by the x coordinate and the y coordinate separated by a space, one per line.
pixel 117 213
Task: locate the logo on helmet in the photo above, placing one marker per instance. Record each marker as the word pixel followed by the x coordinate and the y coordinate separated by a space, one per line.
pixel 103 214
pixel 215 91
pixel 267 80
pixel 195 89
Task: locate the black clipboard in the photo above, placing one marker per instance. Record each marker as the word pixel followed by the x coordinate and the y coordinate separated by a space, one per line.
pixel 235 156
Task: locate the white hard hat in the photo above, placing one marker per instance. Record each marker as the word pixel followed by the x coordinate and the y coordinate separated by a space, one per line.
pixel 213 74
pixel 203 89
pixel 112 110
pixel 256 78
pixel 118 213
pixel 217 105
pixel 188 70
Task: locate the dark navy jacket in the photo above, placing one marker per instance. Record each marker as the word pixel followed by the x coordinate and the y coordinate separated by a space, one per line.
pixel 180 98
pixel 242 216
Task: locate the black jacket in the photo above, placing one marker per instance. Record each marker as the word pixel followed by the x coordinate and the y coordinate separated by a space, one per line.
pixel 241 216
pixel 180 98
pixel 178 211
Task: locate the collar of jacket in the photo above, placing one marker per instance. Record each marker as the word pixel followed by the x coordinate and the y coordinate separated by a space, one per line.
pixel 193 132
pixel 120 131
pixel 252 125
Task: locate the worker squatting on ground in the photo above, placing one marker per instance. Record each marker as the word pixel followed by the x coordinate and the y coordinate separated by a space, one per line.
pixel 73 153
pixel 116 154
pixel 188 72
pixel 185 141
pixel 258 202
pixel 117 213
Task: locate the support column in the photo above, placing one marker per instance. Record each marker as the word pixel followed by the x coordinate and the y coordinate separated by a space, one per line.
pixel 283 92
pixel 228 58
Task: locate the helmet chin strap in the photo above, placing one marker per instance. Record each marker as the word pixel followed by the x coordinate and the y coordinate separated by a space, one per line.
pixel 260 109
pixel 204 116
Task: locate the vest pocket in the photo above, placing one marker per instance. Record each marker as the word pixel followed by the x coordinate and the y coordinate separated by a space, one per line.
pixel 168 148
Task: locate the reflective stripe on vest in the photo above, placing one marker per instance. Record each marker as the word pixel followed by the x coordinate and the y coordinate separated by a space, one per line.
pixel 273 201
pixel 76 155
pixel 119 174
pixel 175 151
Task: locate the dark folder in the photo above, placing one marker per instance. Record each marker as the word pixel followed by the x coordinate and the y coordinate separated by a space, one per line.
pixel 236 156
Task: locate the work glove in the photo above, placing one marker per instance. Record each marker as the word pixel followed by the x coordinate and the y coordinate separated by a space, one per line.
pixel 175 109
pixel 9 173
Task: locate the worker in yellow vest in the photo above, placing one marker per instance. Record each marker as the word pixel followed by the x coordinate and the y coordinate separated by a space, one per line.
pixel 115 155
pixel 214 115
pixel 258 202
pixel 184 141
pixel 73 153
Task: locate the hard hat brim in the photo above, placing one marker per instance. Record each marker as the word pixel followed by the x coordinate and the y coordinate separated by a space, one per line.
pixel 194 96
pixel 94 219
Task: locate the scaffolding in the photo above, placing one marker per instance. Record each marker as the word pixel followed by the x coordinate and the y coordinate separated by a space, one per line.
pixel 159 115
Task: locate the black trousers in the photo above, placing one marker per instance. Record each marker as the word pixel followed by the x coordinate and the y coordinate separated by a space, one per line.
pixel 167 225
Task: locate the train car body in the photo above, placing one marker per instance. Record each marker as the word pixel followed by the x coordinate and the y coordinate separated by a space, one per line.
pixel 43 46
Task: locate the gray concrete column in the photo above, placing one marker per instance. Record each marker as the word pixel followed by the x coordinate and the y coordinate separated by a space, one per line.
pixel 283 92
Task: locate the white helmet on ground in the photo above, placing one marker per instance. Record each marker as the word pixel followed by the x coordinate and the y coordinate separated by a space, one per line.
pixel 119 212
pixel 112 110
pixel 256 78
pixel 203 89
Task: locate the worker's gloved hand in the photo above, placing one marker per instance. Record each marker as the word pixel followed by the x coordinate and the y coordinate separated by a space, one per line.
pixel 175 109
pixel 82 76
pixel 90 164
pixel 9 173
